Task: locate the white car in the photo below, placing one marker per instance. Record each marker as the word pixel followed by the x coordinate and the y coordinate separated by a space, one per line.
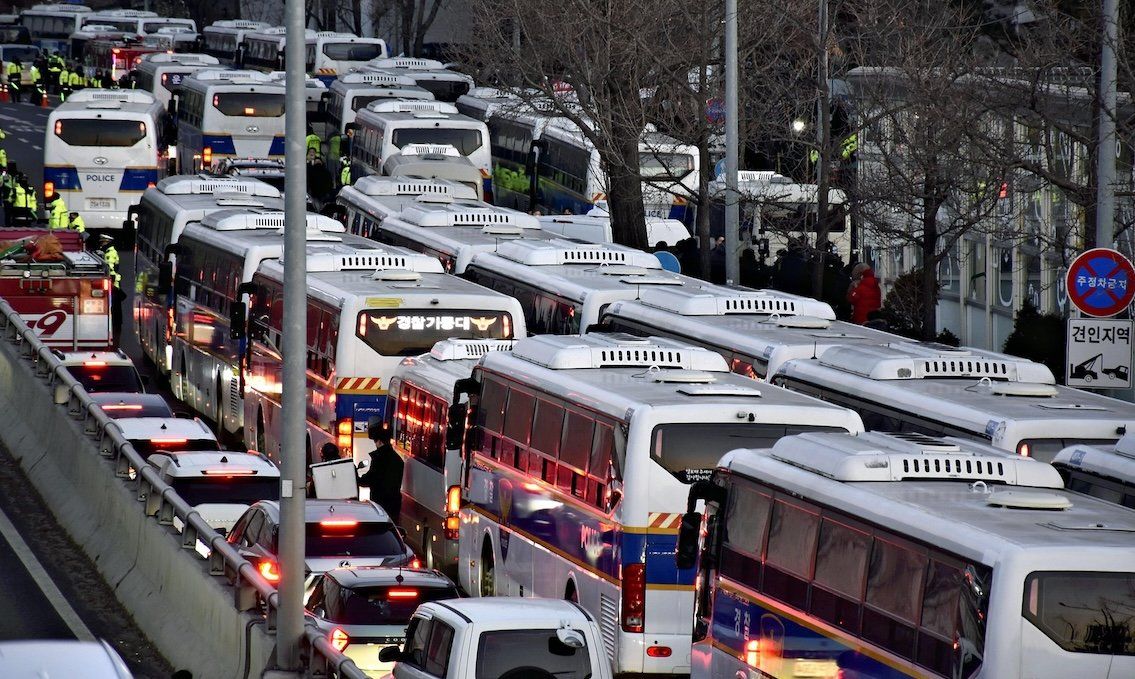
pixel 101 371
pixel 35 659
pixel 160 434
pixel 220 484
pixel 120 405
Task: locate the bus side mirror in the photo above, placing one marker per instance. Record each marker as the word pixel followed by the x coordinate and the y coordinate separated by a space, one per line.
pixel 165 278
pixel 455 427
pixel 390 654
pixel 237 319
pixel 689 533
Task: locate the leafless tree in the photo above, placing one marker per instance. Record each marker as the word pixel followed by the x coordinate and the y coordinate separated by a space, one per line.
pixel 932 157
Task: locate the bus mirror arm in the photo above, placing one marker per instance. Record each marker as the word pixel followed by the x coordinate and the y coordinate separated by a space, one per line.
pixel 704 490
pixel 455 429
pixel 689 532
pixel 237 320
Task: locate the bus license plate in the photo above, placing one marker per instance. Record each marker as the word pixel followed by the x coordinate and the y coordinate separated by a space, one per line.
pixel 815 668
pixel 100 203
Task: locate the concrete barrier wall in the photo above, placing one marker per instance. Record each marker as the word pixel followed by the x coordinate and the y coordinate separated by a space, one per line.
pixel 187 613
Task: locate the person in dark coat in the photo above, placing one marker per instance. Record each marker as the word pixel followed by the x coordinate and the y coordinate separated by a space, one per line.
pixel 864 293
pixel 384 476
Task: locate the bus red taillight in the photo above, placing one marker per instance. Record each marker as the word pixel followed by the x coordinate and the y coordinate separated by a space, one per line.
pixel 634 597
pixel 345 437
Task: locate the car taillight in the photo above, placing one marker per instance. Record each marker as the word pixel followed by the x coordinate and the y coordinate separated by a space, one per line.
pixel 346 435
pixel 339 639
pixel 1023 449
pixel 634 597
pixel 268 571
pixel 339 523
pixel 94 364
pixel 168 442
pixel 415 563
pixel 658 651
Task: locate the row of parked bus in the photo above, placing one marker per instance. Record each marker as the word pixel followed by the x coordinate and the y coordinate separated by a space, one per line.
pixel 728 480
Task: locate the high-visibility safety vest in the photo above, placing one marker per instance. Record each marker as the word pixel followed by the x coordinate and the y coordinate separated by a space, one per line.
pixel 8 182
pixel 314 144
pixel 58 217
pixel 345 175
pixel 74 79
pixel 3 158
pixel 32 203
pixel 34 72
pixel 14 74
pixel 78 224
pixel 110 256
pixel 20 197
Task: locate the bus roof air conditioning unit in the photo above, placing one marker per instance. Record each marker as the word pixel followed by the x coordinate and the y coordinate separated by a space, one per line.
pixel 602 350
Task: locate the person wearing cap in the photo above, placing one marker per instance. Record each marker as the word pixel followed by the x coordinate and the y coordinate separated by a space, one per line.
pixel 56 211
pixel 384 476
pixel 76 222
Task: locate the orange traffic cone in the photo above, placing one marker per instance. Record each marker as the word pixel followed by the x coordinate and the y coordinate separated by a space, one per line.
pixel 43 100
pixel 4 98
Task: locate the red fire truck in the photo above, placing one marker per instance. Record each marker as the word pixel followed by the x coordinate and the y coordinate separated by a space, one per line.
pixel 116 56
pixel 61 291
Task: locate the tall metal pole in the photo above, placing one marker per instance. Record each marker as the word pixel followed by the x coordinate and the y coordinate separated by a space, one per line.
pixel 1105 151
pixel 289 623
pixel 732 211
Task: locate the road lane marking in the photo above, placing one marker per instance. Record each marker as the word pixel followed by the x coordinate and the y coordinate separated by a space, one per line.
pixel 46 585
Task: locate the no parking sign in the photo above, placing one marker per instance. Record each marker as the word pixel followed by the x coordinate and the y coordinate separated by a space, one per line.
pixel 1101 282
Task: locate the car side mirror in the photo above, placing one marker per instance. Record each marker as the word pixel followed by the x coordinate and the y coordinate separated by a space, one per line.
pixel 390 654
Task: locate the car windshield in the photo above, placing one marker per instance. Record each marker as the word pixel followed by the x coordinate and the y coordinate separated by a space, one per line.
pixel 385 605
pixel 96 378
pixel 243 490
pixel 519 652
pixel 348 537
pixel 690 451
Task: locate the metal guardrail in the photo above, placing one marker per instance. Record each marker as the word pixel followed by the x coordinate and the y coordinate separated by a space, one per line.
pixel 160 502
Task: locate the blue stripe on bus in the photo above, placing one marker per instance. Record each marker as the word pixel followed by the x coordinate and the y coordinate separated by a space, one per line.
pixel 784 642
pixel 277 148
pixel 327 79
pixel 138 178
pixel 64 178
pixel 220 144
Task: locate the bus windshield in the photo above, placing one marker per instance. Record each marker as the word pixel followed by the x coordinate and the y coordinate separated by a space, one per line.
pixel 410 332
pixel 100 132
pixel 249 104
pixel 1083 612
pixel 690 451
pixel 668 165
pixel 465 141
pixel 352 51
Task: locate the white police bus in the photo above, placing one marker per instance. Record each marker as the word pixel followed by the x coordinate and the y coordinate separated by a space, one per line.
pixel 228 114
pixel 565 285
pixel 367 310
pixel 159 218
pixel 352 92
pixel 430 74
pixel 214 259
pixel 579 462
pixel 50 25
pixel 896 556
pixel 102 149
pixel 139 22
pixel 225 39
pixel 755 330
pixel 423 392
pixel 327 53
pixel 1106 472
pixel 931 389
pixel 161 73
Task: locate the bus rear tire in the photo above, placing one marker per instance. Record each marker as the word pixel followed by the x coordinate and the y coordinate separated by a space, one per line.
pixel 487 585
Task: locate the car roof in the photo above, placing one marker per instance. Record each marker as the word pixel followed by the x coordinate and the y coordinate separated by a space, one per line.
pixel 316 510
pixel 366 576
pixel 181 427
pixel 59 658
pixel 196 462
pixel 110 357
pixel 513 612
pixel 129 397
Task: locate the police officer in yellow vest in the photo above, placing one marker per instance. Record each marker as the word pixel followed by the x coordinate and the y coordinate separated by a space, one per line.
pixel 3 153
pixel 23 200
pixel 344 171
pixel 56 211
pixel 55 68
pixel 64 85
pixel 110 256
pixel 36 84
pixel 313 144
pixel 75 78
pixel 15 73
pixel 77 223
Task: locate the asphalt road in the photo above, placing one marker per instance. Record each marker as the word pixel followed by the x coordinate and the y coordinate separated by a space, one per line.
pixel 24 126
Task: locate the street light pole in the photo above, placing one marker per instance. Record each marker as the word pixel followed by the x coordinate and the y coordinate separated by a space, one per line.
pixel 293 473
pixel 1105 150
pixel 732 210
